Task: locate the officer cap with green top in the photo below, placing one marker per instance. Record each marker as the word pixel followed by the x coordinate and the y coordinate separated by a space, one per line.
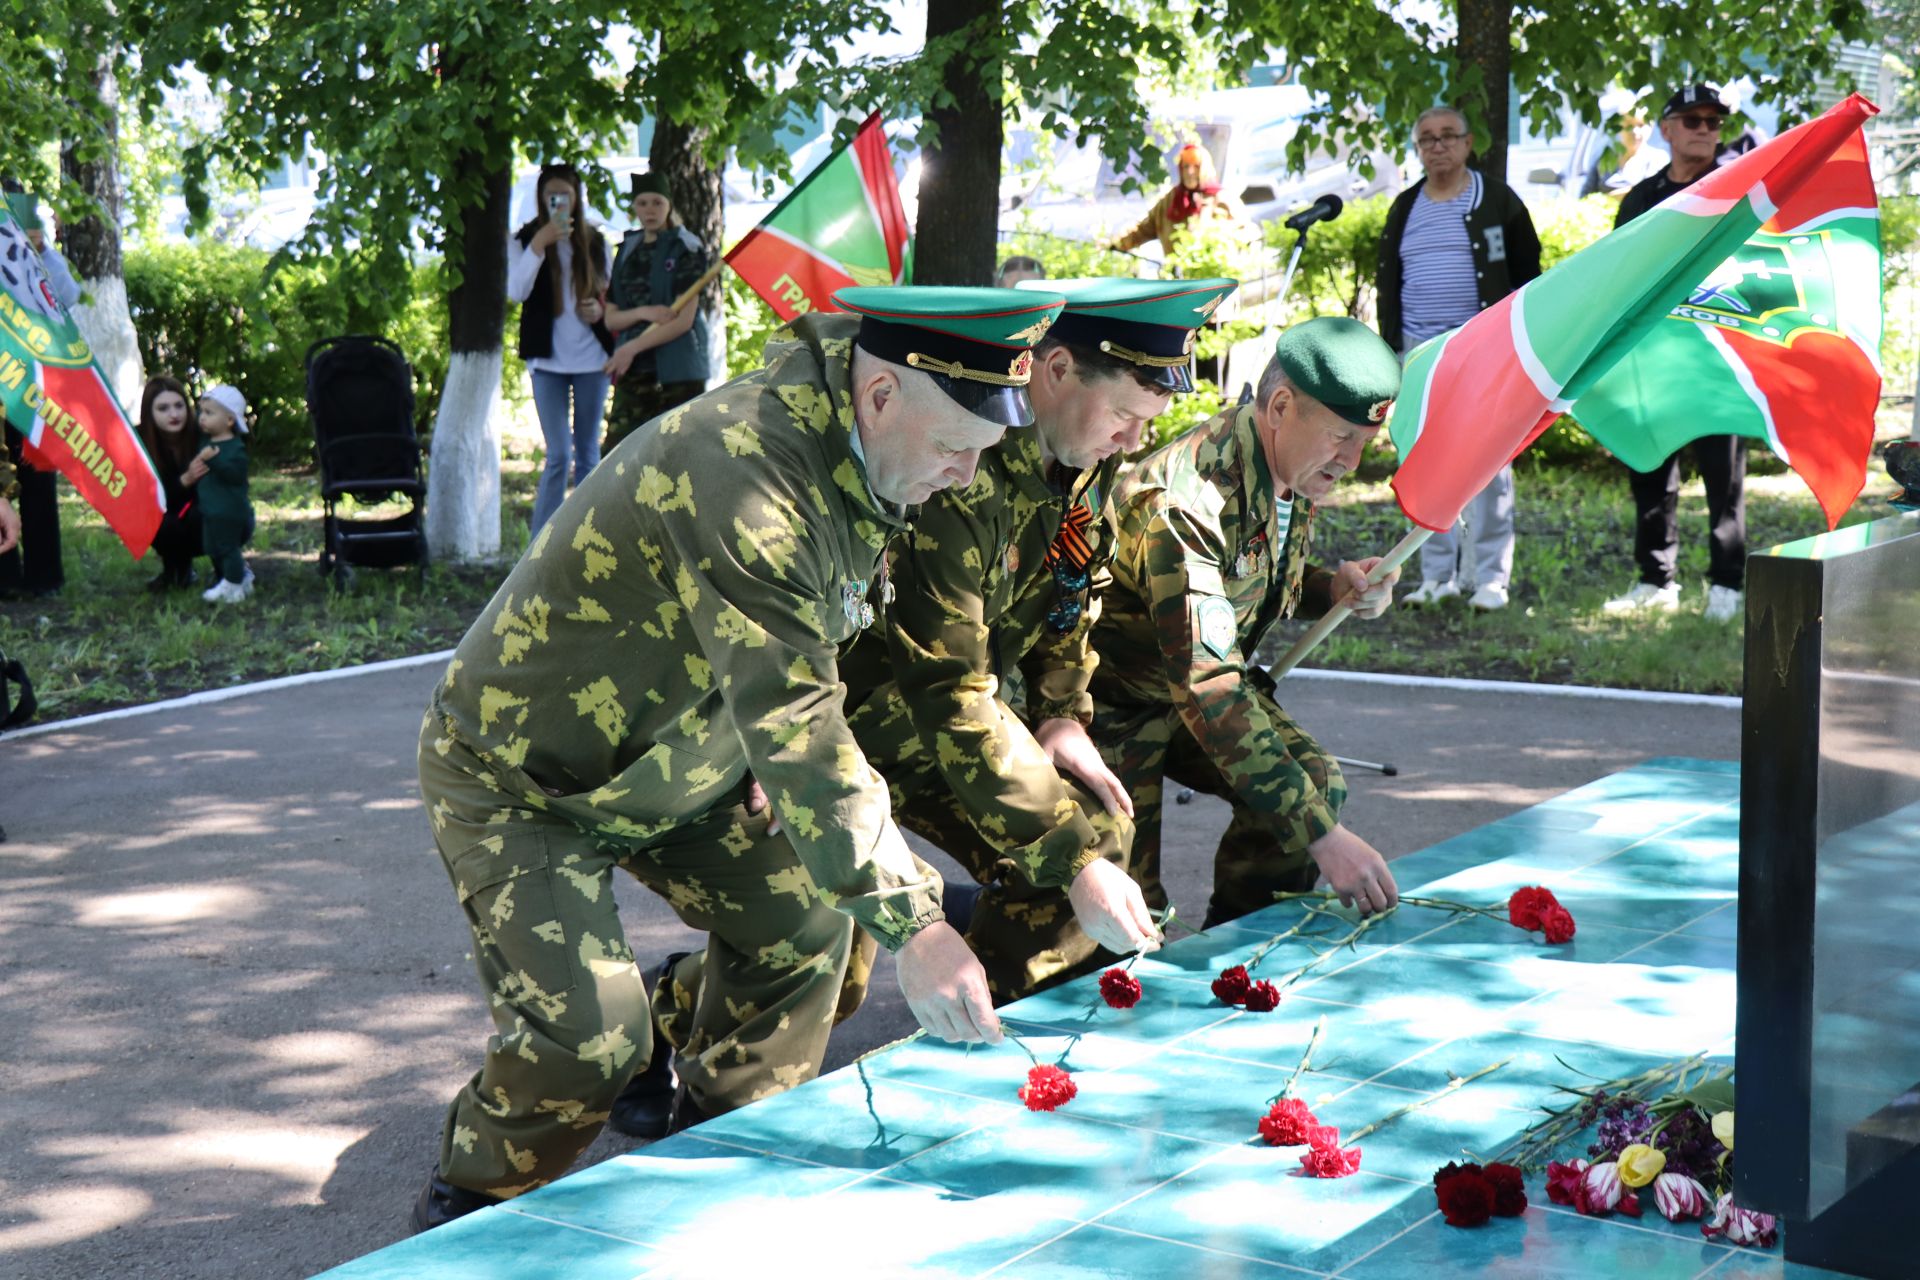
pixel 1344 365
pixel 1148 323
pixel 976 344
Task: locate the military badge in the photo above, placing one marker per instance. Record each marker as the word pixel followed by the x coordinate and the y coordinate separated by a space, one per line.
pixel 1377 411
pixel 1032 333
pixel 1248 562
pixel 1012 559
pixel 853 602
pixel 1022 366
pixel 1217 626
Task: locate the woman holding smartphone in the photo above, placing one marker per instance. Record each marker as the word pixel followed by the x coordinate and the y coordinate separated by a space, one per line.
pixel 557 270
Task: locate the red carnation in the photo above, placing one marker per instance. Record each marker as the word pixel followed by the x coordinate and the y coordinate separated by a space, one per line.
pixel 1047 1088
pixel 1558 923
pixel 1263 997
pixel 1326 1158
pixel 1509 1190
pixel 1288 1123
pixel 1466 1199
pixel 1449 1169
pixel 1119 988
pixel 1527 907
pixel 1232 985
pixel 1565 1180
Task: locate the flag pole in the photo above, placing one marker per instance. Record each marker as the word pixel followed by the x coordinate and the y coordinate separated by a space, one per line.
pixel 1401 553
pixel 694 289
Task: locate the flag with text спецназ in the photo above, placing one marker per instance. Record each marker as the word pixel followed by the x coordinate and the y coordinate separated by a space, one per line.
pixel 53 394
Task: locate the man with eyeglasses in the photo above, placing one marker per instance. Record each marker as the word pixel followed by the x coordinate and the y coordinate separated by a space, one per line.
pixel 1691 123
pixel 971 699
pixel 1455 243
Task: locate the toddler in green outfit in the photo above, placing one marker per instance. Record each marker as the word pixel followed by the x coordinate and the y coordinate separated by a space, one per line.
pixel 220 472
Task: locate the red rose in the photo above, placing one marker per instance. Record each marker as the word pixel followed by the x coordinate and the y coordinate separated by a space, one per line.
pixel 1232 985
pixel 1565 1180
pixel 1509 1190
pixel 1526 906
pixel 1466 1199
pixel 1263 997
pixel 1047 1088
pixel 1326 1158
pixel 1287 1124
pixel 1119 988
pixel 1558 923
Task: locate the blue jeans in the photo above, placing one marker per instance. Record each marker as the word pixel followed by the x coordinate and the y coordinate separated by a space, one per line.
pixel 574 445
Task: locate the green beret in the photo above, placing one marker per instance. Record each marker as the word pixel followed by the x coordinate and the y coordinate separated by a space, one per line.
pixel 25 209
pixel 648 184
pixel 1342 364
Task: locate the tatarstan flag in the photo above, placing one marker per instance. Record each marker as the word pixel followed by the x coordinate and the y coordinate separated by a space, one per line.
pixel 843 225
pixel 1747 304
pixel 53 394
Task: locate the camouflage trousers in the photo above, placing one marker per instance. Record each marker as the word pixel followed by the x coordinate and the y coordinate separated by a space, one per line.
pixel 1260 853
pixel 1024 935
pixel 572 1015
pixel 638 399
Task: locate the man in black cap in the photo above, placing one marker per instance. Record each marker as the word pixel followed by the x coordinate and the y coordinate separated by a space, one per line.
pixel 1691 124
pixel 661 356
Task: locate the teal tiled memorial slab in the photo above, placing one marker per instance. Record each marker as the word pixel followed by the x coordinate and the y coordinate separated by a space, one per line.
pixel 922 1159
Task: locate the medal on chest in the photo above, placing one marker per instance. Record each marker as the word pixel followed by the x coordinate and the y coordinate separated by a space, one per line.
pixel 1012 559
pixel 1251 557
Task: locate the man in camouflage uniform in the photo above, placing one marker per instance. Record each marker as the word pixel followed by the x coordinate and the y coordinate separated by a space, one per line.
pixel 660 358
pixel 1213 532
pixel 992 585
pixel 674 629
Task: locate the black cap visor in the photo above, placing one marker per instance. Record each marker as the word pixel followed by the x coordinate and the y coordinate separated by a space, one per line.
pixel 1007 406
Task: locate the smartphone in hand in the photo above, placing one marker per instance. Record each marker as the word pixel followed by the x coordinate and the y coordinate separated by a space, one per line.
pixel 560 207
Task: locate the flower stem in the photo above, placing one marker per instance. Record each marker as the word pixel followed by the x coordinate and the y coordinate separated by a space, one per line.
pixel 1458 1082
pixel 1319 1029
pixel 1023 1048
pixel 1339 944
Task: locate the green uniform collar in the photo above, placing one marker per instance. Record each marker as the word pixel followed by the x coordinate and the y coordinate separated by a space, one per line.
pixel 824 340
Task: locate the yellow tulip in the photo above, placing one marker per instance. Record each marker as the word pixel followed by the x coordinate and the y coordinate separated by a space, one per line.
pixel 1641 1164
pixel 1723 1129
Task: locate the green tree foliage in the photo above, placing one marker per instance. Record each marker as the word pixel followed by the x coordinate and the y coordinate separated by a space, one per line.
pixel 44 47
pixel 1380 66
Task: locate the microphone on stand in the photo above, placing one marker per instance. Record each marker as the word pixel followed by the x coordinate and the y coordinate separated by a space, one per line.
pixel 1325 209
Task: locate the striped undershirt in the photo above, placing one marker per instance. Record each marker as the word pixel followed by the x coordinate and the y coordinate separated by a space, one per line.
pixel 1438 288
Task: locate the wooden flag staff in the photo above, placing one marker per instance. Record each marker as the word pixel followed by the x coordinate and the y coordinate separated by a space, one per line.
pixel 1401 553
pixel 694 289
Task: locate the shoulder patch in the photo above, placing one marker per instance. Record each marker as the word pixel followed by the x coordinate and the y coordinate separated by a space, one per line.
pixel 1217 626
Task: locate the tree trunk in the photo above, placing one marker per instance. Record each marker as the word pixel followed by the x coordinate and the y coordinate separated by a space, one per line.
pixel 92 245
pixel 463 478
pixel 679 155
pixel 955 240
pixel 1486 42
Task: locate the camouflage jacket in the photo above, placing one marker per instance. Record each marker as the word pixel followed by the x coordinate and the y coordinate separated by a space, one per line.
pixel 975 598
pixel 676 626
pixel 1206 561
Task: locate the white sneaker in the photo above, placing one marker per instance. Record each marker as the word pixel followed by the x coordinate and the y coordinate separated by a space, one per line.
pixel 1490 597
pixel 224 592
pixel 1645 596
pixel 246 583
pixel 1431 592
pixel 1724 604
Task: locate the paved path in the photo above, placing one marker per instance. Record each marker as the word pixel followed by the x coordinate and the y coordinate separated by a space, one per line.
pixel 239 996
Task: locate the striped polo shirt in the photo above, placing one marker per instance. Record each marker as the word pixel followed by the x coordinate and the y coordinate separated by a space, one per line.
pixel 1438 287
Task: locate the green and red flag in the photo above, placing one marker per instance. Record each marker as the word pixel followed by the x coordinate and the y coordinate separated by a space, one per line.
pixel 1747 304
pixel 843 225
pixel 54 395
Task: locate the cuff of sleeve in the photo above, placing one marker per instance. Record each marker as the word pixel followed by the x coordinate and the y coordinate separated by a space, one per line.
pixel 924 915
pixel 1079 707
pixel 1088 856
pixel 1318 818
pixel 1052 861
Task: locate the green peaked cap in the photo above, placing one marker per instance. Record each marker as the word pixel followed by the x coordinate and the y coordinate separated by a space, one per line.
pixel 976 344
pixel 1342 364
pixel 1149 323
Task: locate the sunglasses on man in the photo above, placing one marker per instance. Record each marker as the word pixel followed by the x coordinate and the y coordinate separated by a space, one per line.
pixel 1697 122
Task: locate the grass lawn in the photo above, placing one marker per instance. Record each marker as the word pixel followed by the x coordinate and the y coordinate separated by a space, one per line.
pixel 105 642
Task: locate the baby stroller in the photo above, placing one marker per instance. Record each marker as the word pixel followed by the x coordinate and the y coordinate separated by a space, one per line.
pixel 360 397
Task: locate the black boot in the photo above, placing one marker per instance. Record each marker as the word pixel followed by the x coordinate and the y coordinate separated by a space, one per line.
pixel 643 1107
pixel 686 1112
pixel 441 1202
